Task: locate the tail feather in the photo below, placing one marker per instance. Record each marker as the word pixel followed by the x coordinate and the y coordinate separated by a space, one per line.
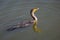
pixel 11 29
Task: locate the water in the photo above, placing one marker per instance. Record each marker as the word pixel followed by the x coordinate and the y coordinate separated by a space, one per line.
pixel 14 11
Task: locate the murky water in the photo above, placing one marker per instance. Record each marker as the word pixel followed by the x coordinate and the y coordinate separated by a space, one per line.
pixel 14 11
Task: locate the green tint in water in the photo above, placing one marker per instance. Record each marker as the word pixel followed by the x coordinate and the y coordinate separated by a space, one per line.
pixel 35 28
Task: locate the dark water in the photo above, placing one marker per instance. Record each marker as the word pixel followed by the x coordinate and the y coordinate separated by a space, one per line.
pixel 14 11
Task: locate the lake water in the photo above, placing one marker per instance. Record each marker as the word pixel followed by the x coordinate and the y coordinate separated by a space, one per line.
pixel 14 11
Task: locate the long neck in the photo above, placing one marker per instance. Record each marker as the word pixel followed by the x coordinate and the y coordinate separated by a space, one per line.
pixel 33 16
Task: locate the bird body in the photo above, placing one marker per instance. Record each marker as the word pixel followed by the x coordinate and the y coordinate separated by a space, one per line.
pixel 27 23
pixel 23 24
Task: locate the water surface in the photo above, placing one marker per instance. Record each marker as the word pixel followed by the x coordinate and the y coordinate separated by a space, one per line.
pixel 14 11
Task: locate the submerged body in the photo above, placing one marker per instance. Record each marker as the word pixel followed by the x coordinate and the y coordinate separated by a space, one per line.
pixel 23 24
pixel 27 23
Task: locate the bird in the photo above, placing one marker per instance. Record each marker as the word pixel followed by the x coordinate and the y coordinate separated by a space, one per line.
pixel 27 23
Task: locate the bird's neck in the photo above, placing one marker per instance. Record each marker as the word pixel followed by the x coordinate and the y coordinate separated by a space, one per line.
pixel 33 16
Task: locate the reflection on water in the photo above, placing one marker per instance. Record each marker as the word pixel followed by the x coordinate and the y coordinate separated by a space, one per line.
pixel 14 11
pixel 35 28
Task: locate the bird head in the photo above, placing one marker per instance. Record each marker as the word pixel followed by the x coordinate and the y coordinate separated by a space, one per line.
pixel 34 10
